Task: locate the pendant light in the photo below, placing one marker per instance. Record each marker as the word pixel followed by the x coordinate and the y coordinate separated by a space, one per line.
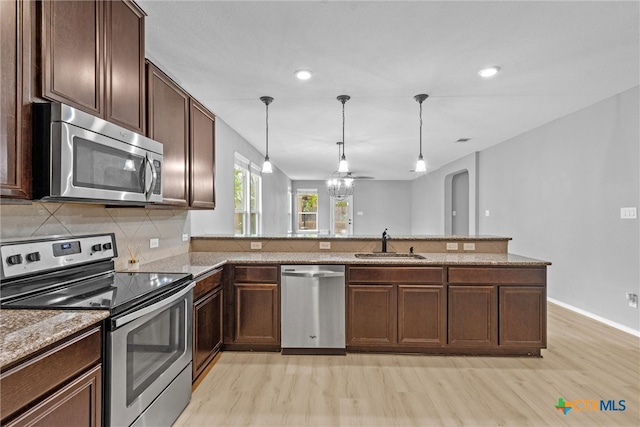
pixel 343 166
pixel 340 184
pixel 266 166
pixel 421 165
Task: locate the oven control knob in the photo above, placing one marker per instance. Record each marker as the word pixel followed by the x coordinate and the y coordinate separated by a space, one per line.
pixel 96 247
pixel 106 246
pixel 14 259
pixel 33 257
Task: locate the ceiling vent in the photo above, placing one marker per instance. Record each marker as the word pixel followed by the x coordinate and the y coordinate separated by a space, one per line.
pixel 463 140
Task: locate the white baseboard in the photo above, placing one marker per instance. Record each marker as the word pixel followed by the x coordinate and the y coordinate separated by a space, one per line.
pixel 607 322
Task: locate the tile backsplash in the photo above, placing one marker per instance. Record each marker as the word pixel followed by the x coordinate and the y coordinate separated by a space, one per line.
pixel 133 227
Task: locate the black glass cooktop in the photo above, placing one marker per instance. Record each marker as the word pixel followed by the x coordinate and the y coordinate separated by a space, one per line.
pixel 113 291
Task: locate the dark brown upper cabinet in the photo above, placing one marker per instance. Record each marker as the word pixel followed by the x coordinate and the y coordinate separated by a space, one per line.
pixel 15 103
pixel 124 77
pixel 186 130
pixel 168 123
pixel 93 58
pixel 202 150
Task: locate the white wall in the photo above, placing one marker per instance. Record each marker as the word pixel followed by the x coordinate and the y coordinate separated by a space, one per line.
pixel 274 187
pixel 558 189
pixel 384 204
pixel 431 198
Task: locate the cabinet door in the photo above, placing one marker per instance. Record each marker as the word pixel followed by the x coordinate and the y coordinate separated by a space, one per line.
pixel 422 315
pixel 202 145
pixel 473 316
pixel 371 315
pixel 15 108
pixel 72 40
pixel 523 316
pixel 124 87
pixel 207 329
pixel 77 404
pixel 257 313
pixel 168 123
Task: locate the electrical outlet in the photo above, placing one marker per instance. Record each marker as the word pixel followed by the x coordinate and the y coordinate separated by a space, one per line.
pixel 469 246
pixel 154 243
pixel 256 245
pixel 185 237
pixel 325 245
pixel 486 213
pixel 452 246
pixel 633 299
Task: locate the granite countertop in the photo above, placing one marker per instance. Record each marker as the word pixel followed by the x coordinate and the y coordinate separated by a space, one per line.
pixel 199 263
pixel 23 332
pixel 328 237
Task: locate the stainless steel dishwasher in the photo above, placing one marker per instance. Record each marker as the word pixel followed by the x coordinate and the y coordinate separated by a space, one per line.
pixel 313 310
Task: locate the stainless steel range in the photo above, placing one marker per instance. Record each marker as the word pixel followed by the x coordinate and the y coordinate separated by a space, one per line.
pixel 148 354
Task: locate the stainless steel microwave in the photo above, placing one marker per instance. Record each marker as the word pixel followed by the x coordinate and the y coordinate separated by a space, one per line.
pixel 79 157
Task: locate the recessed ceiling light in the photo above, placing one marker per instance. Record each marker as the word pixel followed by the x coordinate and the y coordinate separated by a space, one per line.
pixel 303 74
pixel 489 71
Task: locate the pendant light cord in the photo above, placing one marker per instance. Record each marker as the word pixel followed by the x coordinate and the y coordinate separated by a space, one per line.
pixel 343 102
pixel 267 126
pixel 420 128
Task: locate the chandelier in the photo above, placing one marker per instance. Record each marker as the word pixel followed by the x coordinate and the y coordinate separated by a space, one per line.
pixel 340 184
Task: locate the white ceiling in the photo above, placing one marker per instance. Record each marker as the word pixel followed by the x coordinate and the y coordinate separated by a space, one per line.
pixel 556 58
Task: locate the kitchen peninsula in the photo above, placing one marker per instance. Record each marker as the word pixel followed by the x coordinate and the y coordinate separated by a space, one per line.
pixel 473 299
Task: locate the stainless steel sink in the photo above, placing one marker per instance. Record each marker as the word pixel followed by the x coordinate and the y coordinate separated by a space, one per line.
pixel 388 255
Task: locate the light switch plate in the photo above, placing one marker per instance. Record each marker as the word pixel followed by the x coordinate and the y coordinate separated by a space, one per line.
pixel 154 243
pixel 469 246
pixel 185 237
pixel 486 213
pixel 452 246
pixel 325 245
pixel 256 245
pixel 360 213
pixel 628 213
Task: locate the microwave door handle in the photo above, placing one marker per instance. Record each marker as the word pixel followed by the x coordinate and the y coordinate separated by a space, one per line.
pixel 151 177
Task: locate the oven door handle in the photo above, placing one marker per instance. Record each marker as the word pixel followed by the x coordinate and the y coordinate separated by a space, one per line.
pixel 120 321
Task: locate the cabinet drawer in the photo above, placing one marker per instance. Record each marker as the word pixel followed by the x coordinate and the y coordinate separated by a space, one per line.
pixel 498 275
pixel 259 274
pixel 207 284
pixel 34 378
pixel 396 274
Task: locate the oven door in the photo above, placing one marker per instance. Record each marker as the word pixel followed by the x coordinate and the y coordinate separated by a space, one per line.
pixel 148 349
pixel 87 165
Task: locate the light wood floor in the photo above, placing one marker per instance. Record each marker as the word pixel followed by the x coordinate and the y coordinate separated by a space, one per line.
pixel 585 360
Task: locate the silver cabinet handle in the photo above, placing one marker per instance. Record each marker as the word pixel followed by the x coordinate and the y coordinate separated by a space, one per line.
pixel 316 274
pixel 154 307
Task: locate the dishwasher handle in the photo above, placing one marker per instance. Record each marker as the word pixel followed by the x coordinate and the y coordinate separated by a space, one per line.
pixel 314 274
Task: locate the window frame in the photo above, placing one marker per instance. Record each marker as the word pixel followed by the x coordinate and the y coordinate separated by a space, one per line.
pixel 301 191
pixel 251 178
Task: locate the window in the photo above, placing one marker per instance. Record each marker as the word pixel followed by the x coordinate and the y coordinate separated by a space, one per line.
pixel 247 197
pixel 307 210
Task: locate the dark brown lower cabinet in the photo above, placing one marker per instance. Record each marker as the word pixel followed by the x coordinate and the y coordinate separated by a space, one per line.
pixel 62 386
pixel 523 316
pixel 77 404
pixel 473 316
pixel 257 313
pixel 207 329
pixel 371 315
pixel 422 315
